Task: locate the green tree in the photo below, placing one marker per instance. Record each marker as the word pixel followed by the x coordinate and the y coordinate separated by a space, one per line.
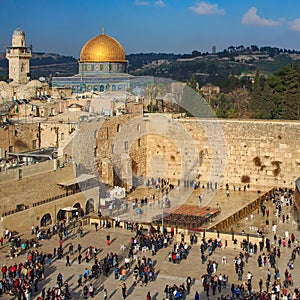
pixel 291 100
pixel 267 104
pixel 193 83
pixel 256 97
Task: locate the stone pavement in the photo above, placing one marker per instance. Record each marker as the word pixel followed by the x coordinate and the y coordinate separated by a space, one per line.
pixel 167 273
pixel 214 199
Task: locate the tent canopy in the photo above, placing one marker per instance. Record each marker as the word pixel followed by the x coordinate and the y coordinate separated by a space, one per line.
pixel 79 179
pixel 69 208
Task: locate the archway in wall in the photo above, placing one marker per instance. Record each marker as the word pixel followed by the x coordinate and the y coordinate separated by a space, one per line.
pixel 90 206
pixel 61 215
pixel 46 220
pixel 79 212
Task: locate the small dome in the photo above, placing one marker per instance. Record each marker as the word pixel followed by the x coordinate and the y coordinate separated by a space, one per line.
pixel 34 83
pixel 102 48
pixel 18 31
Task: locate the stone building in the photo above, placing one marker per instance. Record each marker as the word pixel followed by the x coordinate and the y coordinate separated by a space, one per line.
pixel 19 58
pixel 20 87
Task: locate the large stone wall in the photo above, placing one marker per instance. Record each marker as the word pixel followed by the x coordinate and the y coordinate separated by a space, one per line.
pixel 117 136
pixel 262 154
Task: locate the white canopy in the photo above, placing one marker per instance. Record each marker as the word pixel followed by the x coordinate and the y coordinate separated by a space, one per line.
pixel 69 208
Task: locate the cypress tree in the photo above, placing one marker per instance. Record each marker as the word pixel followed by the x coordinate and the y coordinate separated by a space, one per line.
pixel 291 101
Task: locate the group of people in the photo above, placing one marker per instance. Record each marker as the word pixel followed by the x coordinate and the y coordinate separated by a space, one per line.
pixel 22 280
pixel 180 252
pixel 267 253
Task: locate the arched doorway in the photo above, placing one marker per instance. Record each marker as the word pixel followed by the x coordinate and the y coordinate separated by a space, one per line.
pixel 90 206
pixel 61 215
pixel 46 220
pixel 79 212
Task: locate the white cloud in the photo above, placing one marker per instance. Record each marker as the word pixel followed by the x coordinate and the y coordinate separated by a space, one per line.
pixel 294 25
pixel 251 18
pixel 141 3
pixel 205 8
pixel 160 3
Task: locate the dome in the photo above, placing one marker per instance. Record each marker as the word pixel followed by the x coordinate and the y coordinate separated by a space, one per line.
pixel 34 83
pixel 18 31
pixel 102 48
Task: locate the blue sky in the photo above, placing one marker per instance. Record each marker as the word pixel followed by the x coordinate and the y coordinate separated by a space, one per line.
pixel 178 26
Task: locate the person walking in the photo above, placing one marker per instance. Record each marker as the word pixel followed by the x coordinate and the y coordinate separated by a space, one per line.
pixel 188 283
pixel 148 297
pixel 105 294
pixel 79 258
pixel 124 290
pixel 200 199
pixel 68 261
pixel 91 290
pixel 107 239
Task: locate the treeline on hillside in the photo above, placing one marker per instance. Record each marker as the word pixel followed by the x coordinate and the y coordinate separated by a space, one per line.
pixel 275 96
pixel 41 58
pixel 137 61
pixel 211 70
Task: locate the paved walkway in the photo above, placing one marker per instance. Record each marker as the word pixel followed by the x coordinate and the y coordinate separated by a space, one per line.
pixel 167 273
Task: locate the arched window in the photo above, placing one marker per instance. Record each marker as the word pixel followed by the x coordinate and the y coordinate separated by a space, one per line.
pixel 138 127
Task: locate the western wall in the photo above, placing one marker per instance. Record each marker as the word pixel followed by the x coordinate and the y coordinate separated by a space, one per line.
pixel 259 154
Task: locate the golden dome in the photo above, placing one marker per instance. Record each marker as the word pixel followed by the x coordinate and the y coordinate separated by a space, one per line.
pixel 102 48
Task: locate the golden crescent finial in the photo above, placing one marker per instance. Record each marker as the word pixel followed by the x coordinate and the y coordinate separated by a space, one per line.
pixel 102 29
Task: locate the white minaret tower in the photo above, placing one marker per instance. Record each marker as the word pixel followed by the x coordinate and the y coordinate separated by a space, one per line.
pixel 19 56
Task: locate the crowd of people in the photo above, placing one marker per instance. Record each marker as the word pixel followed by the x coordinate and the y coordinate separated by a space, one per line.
pixel 22 280
pixel 136 262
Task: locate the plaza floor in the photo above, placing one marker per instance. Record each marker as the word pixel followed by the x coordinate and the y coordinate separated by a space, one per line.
pixel 166 272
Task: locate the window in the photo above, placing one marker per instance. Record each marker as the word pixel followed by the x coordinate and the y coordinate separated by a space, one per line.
pixel 118 127
pixel 139 142
pixel 138 127
pixel 62 136
pixel 112 148
pixel 126 145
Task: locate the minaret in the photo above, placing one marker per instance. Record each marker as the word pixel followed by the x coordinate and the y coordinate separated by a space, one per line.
pixel 19 56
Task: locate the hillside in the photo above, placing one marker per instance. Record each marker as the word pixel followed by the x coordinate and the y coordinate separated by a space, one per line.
pixel 45 64
pixel 205 67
